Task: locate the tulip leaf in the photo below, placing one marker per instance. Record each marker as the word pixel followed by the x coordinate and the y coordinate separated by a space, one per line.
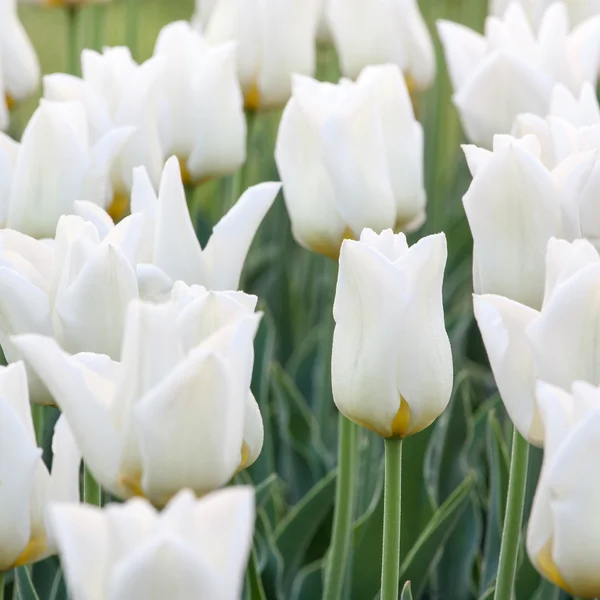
pixel 296 531
pixel 488 594
pixel 254 586
pixel 309 581
pixel 422 557
pixel 406 592
pixel 24 583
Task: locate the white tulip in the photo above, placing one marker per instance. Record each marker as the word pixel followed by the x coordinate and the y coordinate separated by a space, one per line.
pixel 76 289
pixel 202 111
pixel 578 11
pixel 513 208
pixel 563 536
pixel 27 486
pixel 522 342
pixel 183 389
pixel 275 38
pixel 116 92
pixel 372 32
pixel 170 250
pixel 510 70
pixel 391 361
pixel 193 549
pixel 19 66
pixel 350 156
pixel 53 166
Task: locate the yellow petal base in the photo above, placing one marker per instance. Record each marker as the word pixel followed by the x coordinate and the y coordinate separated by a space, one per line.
pixel 10 102
pixel 35 550
pixel 548 567
pixel 132 484
pixel 119 206
pixel 245 458
pixel 252 97
pixel 325 248
pixel 399 424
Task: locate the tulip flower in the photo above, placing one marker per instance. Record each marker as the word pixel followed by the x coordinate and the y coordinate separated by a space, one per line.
pixel 19 66
pixel 350 156
pixel 27 486
pixel 53 166
pixel 510 70
pixel 578 11
pixel 513 208
pixel 76 289
pixel 169 249
pixel 182 390
pixel 563 536
pixel 274 39
pixel 372 32
pixel 388 294
pixel 202 110
pixel 192 549
pixel 522 342
pixel 116 92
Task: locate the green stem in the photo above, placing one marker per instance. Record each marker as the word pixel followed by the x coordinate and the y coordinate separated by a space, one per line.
pixel 2 582
pixel 242 176
pixel 513 518
pixel 390 564
pixel 98 16
pixel 341 536
pixel 72 39
pixel 37 414
pixel 92 492
pixel 131 27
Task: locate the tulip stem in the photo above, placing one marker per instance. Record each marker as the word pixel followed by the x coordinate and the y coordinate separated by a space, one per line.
pixel 72 39
pixel 341 536
pixel 390 562
pixel 37 414
pixel 92 492
pixel 513 518
pixel 98 26
pixel 131 27
pixel 2 582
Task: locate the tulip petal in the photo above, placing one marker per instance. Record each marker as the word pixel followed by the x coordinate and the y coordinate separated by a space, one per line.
pixel 254 433
pixel 81 535
pixel 503 324
pixel 232 236
pixel 89 211
pixel 84 396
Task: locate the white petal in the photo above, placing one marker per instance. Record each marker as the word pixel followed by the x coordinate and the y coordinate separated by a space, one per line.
pixel 254 433
pixel 96 215
pixel 230 241
pixel 154 285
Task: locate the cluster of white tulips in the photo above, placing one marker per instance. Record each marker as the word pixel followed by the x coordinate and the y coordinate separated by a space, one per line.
pixel 113 312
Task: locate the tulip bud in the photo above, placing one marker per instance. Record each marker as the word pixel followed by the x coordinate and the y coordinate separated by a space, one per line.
pixel 521 342
pixel 192 549
pixel 185 375
pixel 563 533
pixel 391 361
pixel 274 40
pixel 19 66
pixel 372 32
pixel 350 156
pixel 27 486
pixel 202 117
pixel 510 70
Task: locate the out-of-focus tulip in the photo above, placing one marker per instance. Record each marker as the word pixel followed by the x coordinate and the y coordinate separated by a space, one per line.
pixel 511 70
pixel 513 208
pixel 184 376
pixel 578 11
pixel 558 344
pixel 372 32
pixel 116 92
pixel 54 165
pixel 202 109
pixel 193 549
pixel 27 486
pixel 19 66
pixel 275 39
pixel 170 250
pixel 563 536
pixel 391 362
pixel 350 156
pixel 76 289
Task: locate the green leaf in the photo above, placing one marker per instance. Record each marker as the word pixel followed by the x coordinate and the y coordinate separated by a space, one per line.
pixel 488 594
pixel 423 556
pixel 297 530
pixel 24 583
pixel 309 581
pixel 406 592
pixel 498 474
pixel 254 586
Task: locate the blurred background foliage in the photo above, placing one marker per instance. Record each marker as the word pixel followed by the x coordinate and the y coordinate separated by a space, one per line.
pixel 455 473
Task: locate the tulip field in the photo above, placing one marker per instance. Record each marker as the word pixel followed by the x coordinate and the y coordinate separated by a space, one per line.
pixel 299 299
